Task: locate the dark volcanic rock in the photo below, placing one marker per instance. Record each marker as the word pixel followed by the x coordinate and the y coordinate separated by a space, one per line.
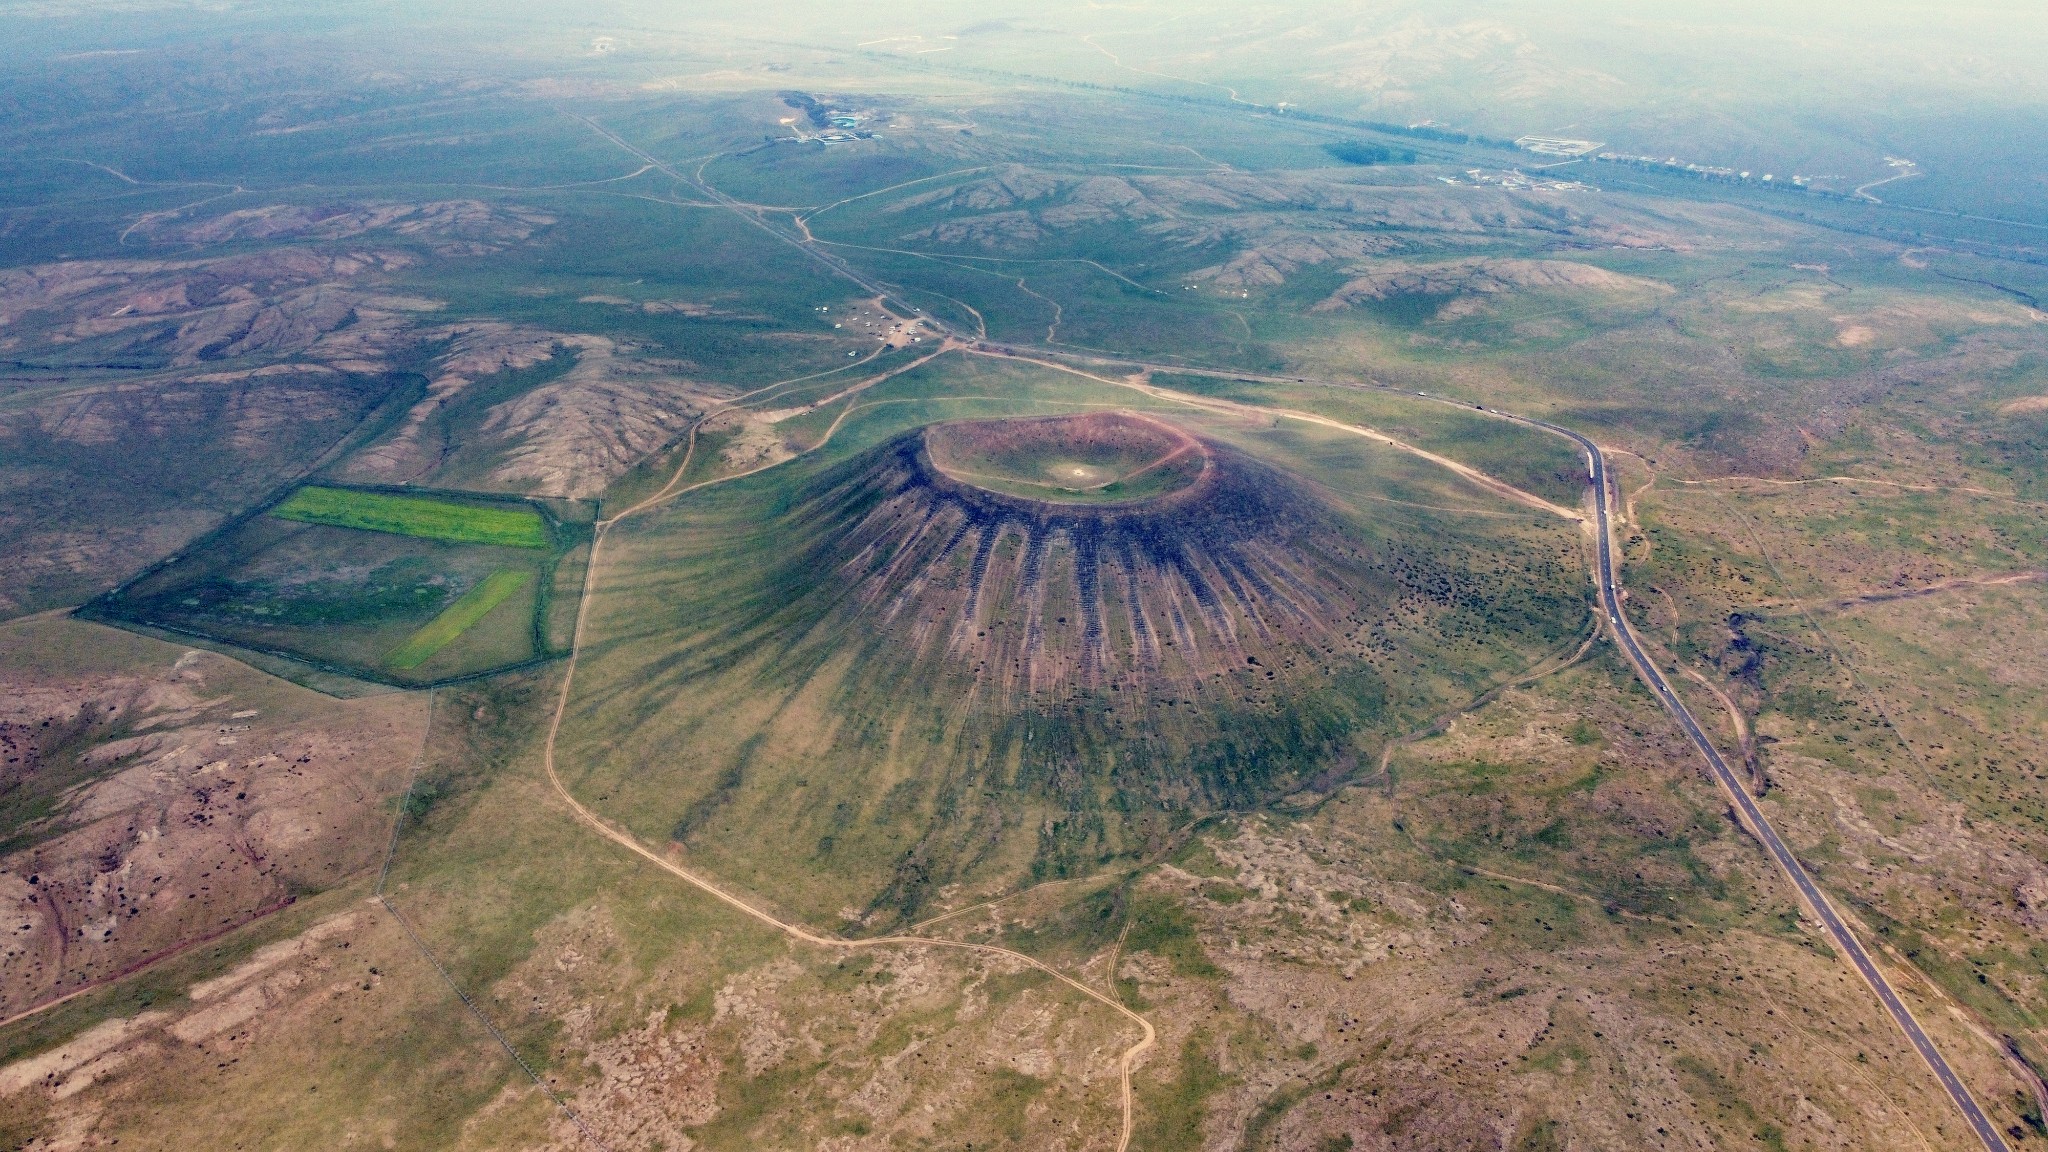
pixel 1239 568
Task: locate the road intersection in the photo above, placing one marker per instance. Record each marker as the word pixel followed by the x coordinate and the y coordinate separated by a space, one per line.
pixel 1607 579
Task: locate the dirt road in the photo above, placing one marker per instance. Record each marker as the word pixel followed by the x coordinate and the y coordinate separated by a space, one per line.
pixel 673 490
pixel 1607 578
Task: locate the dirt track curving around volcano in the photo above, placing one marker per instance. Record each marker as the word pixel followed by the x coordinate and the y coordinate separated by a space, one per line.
pixel 1228 526
pixel 1606 579
pixel 672 490
pixel 1137 383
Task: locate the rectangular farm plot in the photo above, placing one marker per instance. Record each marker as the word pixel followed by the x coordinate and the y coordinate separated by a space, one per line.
pixel 505 525
pixel 389 587
pixel 457 619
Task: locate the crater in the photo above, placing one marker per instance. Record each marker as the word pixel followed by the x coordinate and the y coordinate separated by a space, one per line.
pixel 1098 458
pixel 1049 554
pixel 950 652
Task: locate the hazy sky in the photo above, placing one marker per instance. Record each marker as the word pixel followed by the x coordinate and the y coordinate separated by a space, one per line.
pixel 1791 85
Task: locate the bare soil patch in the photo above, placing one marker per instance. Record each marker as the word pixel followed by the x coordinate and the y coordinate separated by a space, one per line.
pixel 156 795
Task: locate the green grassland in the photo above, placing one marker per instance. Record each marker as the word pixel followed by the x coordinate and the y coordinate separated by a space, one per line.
pixel 728 702
pixel 1527 458
pixel 514 526
pixel 751 319
pixel 1643 361
pixel 1539 904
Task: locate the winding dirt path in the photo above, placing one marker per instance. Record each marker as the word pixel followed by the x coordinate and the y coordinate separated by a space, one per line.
pixel 1479 479
pixel 1607 574
pixel 672 490
pixel 1918 591
pixel 1607 580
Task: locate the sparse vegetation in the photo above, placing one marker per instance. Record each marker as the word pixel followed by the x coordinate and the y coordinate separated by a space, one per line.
pixel 1175 1111
pixel 1292 741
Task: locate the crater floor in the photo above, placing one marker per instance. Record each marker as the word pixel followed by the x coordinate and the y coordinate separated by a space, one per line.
pixel 1094 458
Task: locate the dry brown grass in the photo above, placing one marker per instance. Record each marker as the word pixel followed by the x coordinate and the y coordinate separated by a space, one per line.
pixel 198 794
pixel 1603 992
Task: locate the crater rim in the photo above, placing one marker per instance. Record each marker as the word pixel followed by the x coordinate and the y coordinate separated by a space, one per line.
pixel 1112 460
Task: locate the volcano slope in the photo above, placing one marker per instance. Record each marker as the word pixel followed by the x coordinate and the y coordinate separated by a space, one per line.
pixel 952 660
pixel 1221 571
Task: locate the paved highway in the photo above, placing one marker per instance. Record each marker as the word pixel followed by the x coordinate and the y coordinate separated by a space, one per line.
pixel 1753 817
pixel 1610 600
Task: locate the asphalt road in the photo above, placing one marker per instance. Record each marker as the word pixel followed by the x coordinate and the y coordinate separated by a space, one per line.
pixel 1610 601
pixel 1752 816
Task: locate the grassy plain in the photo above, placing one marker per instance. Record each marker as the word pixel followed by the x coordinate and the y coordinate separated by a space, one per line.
pixel 810 720
pixel 1527 926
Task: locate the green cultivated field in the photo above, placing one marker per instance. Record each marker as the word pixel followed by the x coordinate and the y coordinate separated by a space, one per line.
pixel 424 517
pixel 404 589
pixel 457 618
